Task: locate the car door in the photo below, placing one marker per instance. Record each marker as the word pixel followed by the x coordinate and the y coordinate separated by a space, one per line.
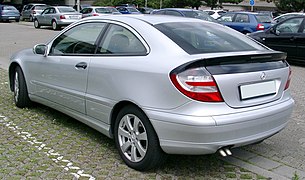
pixel 48 16
pixel 120 45
pixel 284 36
pixel 62 74
pixel 300 41
pixel 41 17
pixel 241 23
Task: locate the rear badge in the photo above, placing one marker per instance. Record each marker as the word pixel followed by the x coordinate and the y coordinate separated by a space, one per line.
pixel 263 76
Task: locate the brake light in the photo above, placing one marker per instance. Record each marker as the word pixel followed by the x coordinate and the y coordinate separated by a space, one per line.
pixel 289 79
pixel 197 84
pixel 62 17
pixel 95 14
pixel 260 27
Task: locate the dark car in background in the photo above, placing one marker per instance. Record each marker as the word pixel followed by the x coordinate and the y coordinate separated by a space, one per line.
pixel 8 13
pixel 287 36
pixel 191 13
pixel 246 22
pixel 145 10
pixel 31 10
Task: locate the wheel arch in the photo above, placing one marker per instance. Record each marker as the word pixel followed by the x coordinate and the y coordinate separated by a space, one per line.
pixel 115 111
pixel 11 72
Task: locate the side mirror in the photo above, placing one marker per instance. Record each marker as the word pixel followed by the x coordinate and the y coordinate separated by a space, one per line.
pixel 41 49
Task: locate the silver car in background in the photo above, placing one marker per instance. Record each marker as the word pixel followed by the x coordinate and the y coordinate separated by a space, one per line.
pixel 159 84
pixel 98 11
pixel 30 11
pixel 57 17
pixel 9 13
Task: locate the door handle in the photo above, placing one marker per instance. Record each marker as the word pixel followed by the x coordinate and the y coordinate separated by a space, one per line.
pixel 82 65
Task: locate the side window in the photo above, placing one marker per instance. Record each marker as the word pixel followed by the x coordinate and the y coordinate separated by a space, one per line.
pixel 78 40
pixel 46 11
pixel 120 40
pixel 159 12
pixel 226 18
pixel 242 18
pixel 290 26
pixel 173 13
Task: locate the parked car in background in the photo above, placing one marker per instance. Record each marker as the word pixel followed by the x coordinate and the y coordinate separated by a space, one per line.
pixel 31 10
pixel 57 17
pixel 217 90
pixel 282 17
pixel 8 13
pixel 145 10
pixel 215 13
pixel 98 11
pixel 182 12
pixel 287 36
pixel 127 10
pixel 246 22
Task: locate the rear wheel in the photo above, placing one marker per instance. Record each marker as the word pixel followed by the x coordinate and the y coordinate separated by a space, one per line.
pixel 136 140
pixel 21 96
pixel 36 24
pixel 55 25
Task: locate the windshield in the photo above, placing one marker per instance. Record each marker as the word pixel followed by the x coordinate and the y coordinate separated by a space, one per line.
pixel 263 18
pixel 66 9
pixel 132 10
pixel 199 15
pixel 197 38
pixel 103 10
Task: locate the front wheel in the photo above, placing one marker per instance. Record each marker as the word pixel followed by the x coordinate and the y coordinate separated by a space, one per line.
pixel 136 140
pixel 21 96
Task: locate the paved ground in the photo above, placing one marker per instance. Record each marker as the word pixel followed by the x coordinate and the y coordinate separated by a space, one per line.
pixel 41 143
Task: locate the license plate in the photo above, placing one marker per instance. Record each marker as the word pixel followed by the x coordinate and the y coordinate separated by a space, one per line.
pixel 11 17
pixel 73 17
pixel 257 90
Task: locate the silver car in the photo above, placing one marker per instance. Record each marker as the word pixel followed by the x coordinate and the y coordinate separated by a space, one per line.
pixel 57 17
pixel 158 84
pixel 98 11
pixel 31 10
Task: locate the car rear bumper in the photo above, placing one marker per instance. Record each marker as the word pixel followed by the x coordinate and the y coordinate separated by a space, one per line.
pixel 9 17
pixel 66 22
pixel 206 138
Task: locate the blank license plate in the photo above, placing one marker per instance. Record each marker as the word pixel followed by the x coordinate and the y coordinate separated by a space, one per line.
pixel 257 90
pixel 73 17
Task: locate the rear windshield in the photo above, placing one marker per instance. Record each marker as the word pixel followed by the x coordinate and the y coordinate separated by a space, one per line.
pixel 132 10
pixel 66 9
pixel 103 10
pixel 263 18
pixel 42 7
pixel 199 15
pixel 197 38
pixel 8 8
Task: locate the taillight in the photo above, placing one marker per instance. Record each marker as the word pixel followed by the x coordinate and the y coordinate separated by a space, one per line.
pixel 95 14
pixel 62 17
pixel 289 79
pixel 197 84
pixel 260 27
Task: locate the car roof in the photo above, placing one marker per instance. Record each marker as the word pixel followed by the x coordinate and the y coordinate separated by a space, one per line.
pixel 155 19
pixel 179 9
pixel 246 12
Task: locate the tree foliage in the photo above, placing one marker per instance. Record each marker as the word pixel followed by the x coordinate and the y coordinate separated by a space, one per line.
pixel 290 5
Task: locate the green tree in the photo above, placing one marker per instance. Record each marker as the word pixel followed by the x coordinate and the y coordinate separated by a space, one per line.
pixel 290 5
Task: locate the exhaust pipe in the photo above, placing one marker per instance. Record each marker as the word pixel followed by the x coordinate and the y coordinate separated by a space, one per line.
pixel 225 152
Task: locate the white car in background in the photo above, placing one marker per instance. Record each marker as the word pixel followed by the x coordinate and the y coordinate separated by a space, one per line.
pixel 215 13
pixel 286 16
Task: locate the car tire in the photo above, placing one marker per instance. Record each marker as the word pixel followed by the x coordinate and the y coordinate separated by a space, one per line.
pixel 17 20
pixel 55 25
pixel 36 24
pixel 21 97
pixel 138 145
